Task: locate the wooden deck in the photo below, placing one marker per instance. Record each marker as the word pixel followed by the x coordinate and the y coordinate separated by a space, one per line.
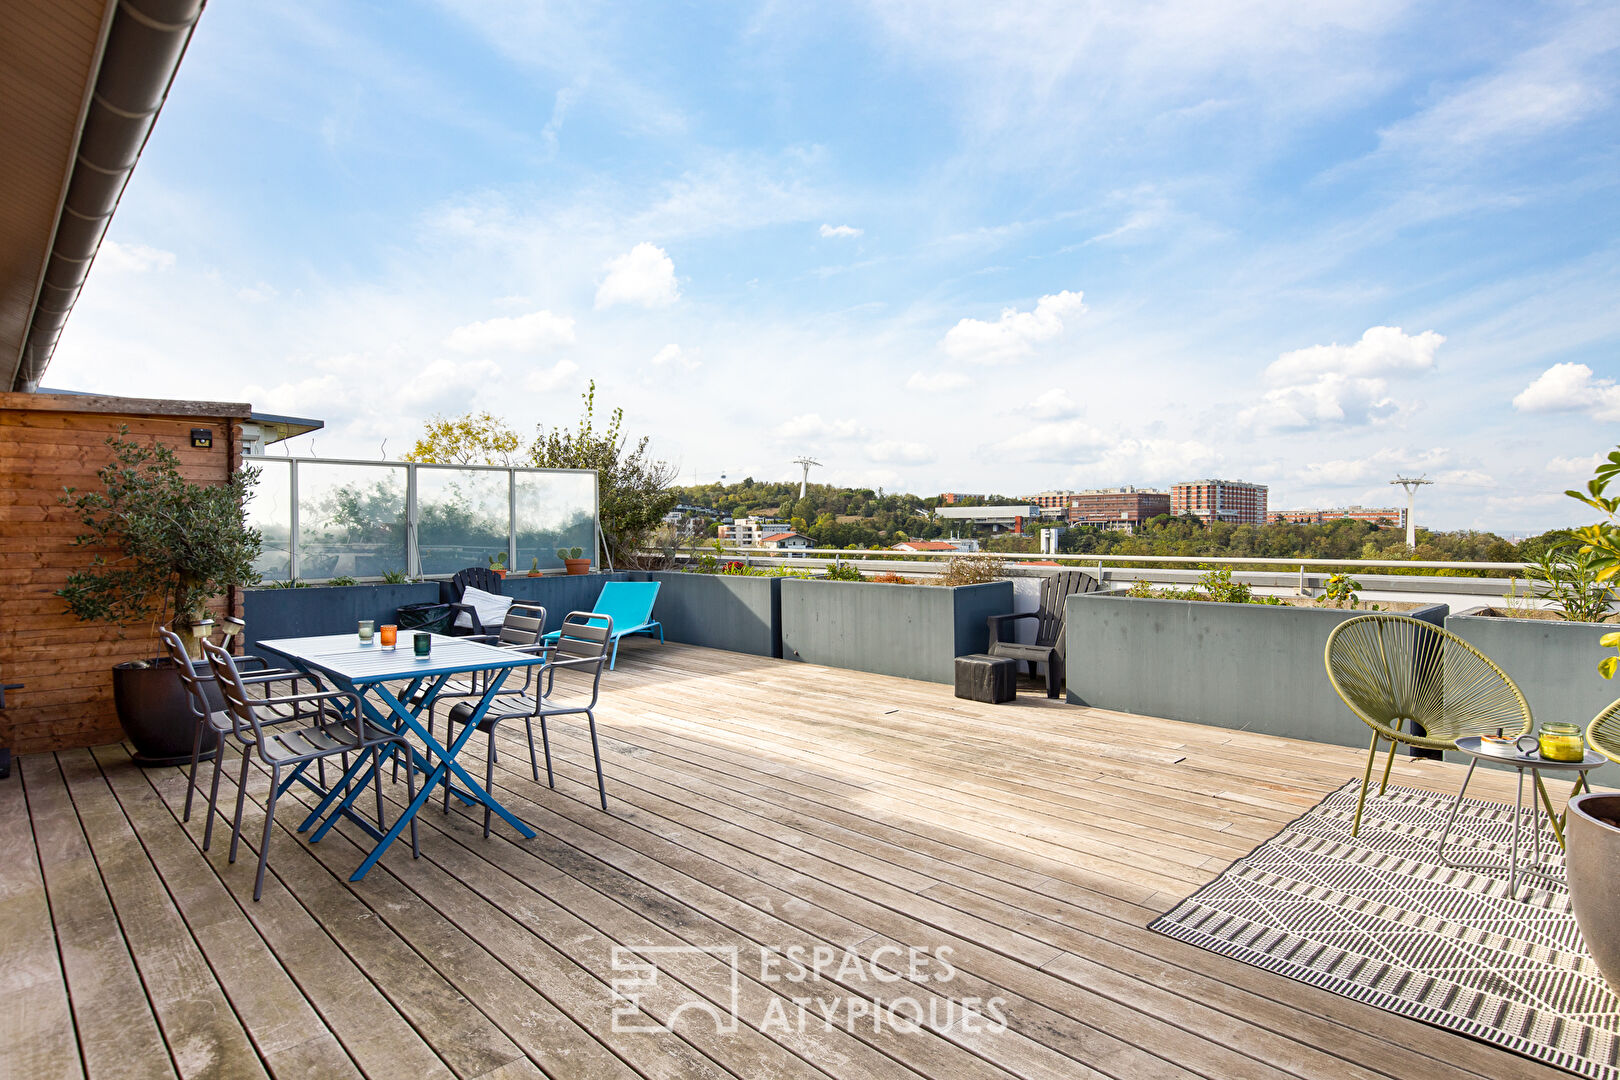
pixel 754 803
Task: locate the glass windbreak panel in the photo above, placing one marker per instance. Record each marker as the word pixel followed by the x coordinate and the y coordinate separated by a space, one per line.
pixel 270 511
pixel 351 519
pixel 554 510
pixel 463 517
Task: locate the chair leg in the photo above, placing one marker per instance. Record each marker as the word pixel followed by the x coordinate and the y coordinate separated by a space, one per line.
pixel 534 763
pixel 213 796
pixel 601 784
pixel 269 824
pixel 196 755
pixel 614 663
pixel 1366 782
pixel 1054 675
pixel 241 795
pixel 377 784
pixel 489 778
pixel 545 741
pixel 410 793
pixel 1388 765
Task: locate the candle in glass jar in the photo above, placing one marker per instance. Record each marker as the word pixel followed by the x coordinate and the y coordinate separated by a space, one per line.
pixel 388 632
pixel 367 626
pixel 423 644
pixel 1562 742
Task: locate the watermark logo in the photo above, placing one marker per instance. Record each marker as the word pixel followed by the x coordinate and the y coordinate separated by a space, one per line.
pixel 636 973
pixel 800 987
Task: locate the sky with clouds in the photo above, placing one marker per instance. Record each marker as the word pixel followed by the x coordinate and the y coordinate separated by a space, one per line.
pixel 938 245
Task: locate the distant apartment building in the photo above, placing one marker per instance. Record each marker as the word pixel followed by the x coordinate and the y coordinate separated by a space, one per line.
pixel 1009 518
pixel 1377 515
pixel 1122 509
pixel 954 498
pixel 966 545
pixel 1052 500
pixel 790 543
pixel 1235 501
pixel 748 531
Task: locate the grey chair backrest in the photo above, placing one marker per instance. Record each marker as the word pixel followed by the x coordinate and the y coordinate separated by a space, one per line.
pixel 238 705
pixel 189 679
pixel 1055 589
pixel 582 643
pixel 525 624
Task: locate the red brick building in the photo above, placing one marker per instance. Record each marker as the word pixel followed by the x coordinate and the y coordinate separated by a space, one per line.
pixel 1236 501
pixel 1377 515
pixel 1124 509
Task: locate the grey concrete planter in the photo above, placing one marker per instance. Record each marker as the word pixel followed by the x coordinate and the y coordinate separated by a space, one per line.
pixel 720 611
pixel 325 609
pixel 913 631
pixel 1251 666
pixel 1594 865
pixel 1554 664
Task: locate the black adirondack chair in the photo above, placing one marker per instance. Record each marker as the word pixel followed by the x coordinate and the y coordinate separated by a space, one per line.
pixel 474 577
pixel 1048 646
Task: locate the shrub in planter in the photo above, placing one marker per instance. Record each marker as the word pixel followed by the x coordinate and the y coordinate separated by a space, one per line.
pixel 164 548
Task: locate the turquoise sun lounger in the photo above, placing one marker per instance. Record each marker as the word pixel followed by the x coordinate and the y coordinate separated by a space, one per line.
pixel 629 604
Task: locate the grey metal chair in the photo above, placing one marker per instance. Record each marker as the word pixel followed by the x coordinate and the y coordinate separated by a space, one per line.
pixel 208 719
pixel 340 728
pixel 1049 646
pixel 522 629
pixel 581 647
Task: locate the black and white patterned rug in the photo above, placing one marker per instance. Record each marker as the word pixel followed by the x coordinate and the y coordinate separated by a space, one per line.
pixel 1380 919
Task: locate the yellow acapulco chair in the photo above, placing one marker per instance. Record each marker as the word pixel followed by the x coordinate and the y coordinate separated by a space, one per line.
pixel 1415 683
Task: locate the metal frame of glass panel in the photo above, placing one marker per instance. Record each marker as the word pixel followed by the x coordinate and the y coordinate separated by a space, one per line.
pixel 412 505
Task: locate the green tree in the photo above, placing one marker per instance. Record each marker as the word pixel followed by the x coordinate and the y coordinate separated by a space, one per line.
pixel 633 488
pixel 468 439
pixel 164 547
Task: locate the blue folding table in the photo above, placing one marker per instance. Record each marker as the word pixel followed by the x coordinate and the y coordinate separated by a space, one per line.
pixel 366 671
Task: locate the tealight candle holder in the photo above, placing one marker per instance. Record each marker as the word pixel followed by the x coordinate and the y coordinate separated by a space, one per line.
pixel 423 644
pixel 367 628
pixel 388 633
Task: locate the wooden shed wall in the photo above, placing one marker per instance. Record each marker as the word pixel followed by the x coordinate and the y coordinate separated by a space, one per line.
pixel 48 442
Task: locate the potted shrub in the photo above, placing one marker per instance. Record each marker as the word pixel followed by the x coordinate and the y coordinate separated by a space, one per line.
pixel 497 563
pixel 574 560
pixel 164 549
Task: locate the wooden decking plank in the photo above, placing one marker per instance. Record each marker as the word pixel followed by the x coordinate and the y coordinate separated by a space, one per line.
pixel 204 1035
pixel 357 1014
pixel 38 1037
pixel 118 1034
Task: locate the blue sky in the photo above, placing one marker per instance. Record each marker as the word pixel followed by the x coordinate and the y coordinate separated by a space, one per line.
pixel 941 246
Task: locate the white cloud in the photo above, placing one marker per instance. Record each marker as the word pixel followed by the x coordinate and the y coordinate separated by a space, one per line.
pixel 1015 334
pixel 1581 466
pixel 257 294
pixel 840 232
pixel 550 378
pixel 673 356
pixel 1061 440
pixel 520 333
pixel 898 452
pixel 936 383
pixel 1326 385
pixel 1472 478
pixel 134 258
pixel 812 426
pixel 1055 404
pixel 644 275
pixel 1380 465
pixel 1570 388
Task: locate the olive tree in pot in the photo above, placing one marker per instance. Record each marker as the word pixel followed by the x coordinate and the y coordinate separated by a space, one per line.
pixel 164 548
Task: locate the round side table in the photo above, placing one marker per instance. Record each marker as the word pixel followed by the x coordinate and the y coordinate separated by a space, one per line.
pixel 1535 765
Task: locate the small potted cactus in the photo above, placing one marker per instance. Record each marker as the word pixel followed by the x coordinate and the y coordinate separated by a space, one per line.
pixel 497 563
pixel 574 559
pixel 534 567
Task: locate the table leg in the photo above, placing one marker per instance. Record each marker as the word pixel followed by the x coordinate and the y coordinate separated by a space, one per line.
pixel 1513 862
pixel 1456 807
pixel 337 790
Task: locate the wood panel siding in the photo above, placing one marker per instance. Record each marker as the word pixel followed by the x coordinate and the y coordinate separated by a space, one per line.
pixel 49 442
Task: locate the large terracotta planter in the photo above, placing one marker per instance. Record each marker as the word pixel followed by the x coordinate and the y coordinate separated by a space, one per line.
pixel 1592 858
pixel 153 712
pixel 576 567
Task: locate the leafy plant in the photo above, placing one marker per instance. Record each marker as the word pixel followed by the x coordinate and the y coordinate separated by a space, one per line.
pixel 570 553
pixel 1217 583
pixel 1602 541
pixel 342 579
pixel 164 546
pixel 394 577
pixel 469 439
pixel 290 583
pixel 1568 577
pixel 844 572
pixel 1341 591
pixel 973 570
pixel 892 578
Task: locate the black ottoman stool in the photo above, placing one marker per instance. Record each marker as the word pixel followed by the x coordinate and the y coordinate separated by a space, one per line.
pixel 982 677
